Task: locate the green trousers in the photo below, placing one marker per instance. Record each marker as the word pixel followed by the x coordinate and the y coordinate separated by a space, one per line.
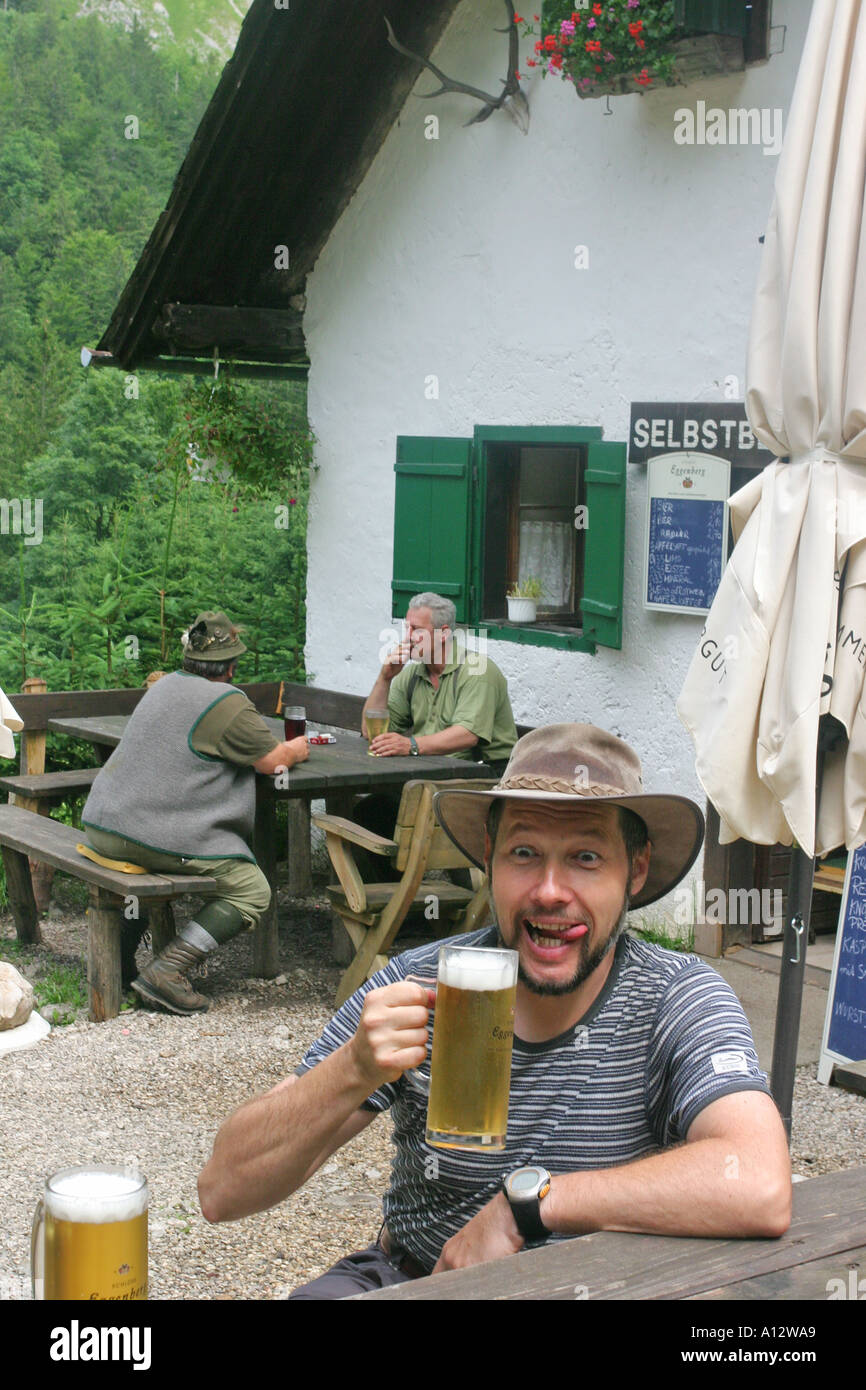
pixel 239 883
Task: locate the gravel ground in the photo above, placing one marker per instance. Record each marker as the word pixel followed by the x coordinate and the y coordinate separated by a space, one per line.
pixel 152 1089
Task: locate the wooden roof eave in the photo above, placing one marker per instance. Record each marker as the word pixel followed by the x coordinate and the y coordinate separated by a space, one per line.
pixel 242 178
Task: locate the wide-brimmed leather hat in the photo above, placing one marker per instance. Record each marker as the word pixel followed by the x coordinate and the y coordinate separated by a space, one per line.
pixel 579 763
pixel 212 637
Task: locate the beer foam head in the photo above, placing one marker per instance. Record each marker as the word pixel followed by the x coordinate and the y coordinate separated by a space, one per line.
pixel 96 1195
pixel 477 968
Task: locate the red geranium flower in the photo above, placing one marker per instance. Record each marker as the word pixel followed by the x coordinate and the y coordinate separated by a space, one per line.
pixel 596 9
pixel 593 45
pixel 538 45
pixel 634 29
pixel 641 43
pixel 550 43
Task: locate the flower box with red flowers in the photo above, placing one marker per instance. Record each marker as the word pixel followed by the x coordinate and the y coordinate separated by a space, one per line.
pixel 624 46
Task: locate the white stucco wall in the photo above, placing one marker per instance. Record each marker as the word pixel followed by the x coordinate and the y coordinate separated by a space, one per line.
pixel 456 258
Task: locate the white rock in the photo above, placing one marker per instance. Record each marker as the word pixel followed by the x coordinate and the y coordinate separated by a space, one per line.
pixel 16 997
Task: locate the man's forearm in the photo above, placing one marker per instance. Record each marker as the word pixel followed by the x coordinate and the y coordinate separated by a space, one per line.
pixel 265 1150
pixel 451 740
pixel 706 1188
pixel 378 697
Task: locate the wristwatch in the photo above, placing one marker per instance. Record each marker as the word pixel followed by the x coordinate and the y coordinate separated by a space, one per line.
pixel 413 746
pixel 524 1190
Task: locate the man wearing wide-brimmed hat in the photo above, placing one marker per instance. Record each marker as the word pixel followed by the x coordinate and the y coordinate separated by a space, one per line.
pixel 178 795
pixel 636 1100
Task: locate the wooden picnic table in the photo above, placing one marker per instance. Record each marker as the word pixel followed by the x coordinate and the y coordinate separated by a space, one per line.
pixel 826 1240
pixel 335 773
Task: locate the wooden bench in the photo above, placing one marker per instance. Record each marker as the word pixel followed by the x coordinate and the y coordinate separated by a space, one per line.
pixel 112 935
pixel 373 913
pixel 49 787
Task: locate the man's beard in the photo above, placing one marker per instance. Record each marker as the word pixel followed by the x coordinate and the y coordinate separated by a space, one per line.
pixel 590 963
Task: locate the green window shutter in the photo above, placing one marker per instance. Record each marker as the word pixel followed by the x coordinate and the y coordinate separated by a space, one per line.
pixel 432 514
pixel 601 604
pixel 714 16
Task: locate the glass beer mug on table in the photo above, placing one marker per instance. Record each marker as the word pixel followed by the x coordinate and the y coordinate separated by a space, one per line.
pixel 294 721
pixel 470 1068
pixel 377 723
pixel 89 1238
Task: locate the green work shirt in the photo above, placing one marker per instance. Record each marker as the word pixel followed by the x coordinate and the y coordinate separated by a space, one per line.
pixel 468 695
pixel 233 729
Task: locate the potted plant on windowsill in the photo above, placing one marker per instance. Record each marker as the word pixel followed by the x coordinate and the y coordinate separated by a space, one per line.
pixel 523 599
pixel 622 46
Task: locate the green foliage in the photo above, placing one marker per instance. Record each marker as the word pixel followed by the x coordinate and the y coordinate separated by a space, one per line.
pixel 530 587
pixel 158 497
pixel 53 982
pixel 77 197
pixel 139 537
pixel 659 930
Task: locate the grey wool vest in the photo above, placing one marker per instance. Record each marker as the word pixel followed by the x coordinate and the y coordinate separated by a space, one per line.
pixel 156 790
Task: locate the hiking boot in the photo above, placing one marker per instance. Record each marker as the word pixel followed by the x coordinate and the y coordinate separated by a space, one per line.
pixel 164 981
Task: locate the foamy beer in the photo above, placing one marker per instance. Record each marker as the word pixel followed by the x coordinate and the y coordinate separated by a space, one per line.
pixel 470 1069
pixel 90 1236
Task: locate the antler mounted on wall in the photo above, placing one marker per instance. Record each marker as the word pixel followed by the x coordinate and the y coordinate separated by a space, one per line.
pixel 511 99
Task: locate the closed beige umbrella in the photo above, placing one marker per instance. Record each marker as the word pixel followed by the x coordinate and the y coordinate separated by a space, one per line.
pixel 785 640
pixel 769 663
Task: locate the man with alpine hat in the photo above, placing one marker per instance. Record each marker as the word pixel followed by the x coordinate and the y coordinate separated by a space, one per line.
pixel 636 1102
pixel 178 795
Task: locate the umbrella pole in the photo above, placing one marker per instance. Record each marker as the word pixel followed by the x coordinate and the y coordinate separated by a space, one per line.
pixel 791 979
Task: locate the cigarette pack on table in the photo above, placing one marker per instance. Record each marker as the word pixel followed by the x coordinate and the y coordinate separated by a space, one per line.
pixel 320 738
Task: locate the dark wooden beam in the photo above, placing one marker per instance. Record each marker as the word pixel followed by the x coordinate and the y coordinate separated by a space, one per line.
pixel 197 366
pixel 197 327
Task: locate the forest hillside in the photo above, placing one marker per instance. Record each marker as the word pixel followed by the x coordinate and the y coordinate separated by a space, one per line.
pixel 126 503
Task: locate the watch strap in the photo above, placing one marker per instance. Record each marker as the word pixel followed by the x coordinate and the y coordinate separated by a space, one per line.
pixel 413 746
pixel 527 1213
pixel 527 1216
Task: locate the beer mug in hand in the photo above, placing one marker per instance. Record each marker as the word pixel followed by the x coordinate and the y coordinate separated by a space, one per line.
pixel 89 1238
pixel 470 1070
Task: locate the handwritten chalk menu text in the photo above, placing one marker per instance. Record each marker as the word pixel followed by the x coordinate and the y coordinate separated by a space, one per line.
pixel 687 530
pixel 845 1023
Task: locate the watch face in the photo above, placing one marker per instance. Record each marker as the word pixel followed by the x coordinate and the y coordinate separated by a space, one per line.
pixel 525 1180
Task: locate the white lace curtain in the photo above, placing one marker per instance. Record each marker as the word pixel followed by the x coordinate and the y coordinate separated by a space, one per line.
pixel 547 552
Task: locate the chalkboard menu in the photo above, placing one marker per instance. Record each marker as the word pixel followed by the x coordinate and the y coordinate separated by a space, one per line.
pixel 845 1023
pixel 687 530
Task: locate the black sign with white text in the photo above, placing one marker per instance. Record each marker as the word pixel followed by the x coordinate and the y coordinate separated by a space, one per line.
pixel 711 427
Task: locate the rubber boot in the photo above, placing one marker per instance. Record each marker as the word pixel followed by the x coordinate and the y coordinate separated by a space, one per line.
pixel 164 981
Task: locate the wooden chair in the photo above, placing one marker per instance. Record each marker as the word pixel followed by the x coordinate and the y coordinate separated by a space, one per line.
pixel 373 913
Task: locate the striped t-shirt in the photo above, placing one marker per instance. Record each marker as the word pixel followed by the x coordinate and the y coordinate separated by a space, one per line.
pixel 665 1037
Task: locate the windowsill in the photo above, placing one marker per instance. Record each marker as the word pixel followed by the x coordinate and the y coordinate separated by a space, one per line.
pixel 537 635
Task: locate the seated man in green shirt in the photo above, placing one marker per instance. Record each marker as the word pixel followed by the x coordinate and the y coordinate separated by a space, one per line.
pixel 442 702
pixel 178 795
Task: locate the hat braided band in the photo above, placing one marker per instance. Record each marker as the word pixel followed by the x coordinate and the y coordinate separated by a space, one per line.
pixel 557 784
